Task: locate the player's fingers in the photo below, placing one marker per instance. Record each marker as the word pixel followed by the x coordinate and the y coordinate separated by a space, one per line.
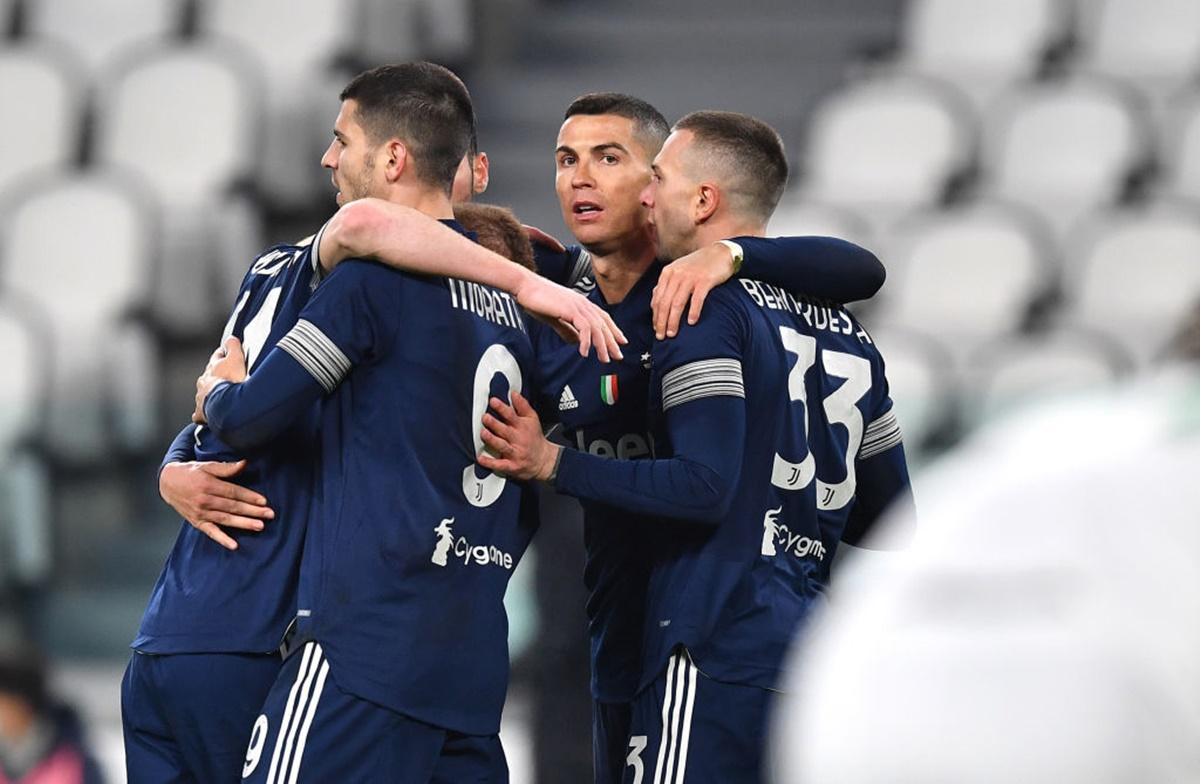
pixel 612 335
pixel 662 318
pixel 222 489
pixel 678 301
pixel 502 411
pixel 698 297
pixel 521 405
pixel 565 330
pixel 222 469
pixel 585 337
pixel 492 463
pixel 217 535
pixel 220 504
pixel 234 521
pixel 539 237
pixel 494 428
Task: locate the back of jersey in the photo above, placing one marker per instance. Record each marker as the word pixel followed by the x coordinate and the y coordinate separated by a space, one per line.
pixel 410 553
pixel 209 599
pixel 818 423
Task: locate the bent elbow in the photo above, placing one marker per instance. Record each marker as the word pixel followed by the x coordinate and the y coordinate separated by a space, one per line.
pixel 354 227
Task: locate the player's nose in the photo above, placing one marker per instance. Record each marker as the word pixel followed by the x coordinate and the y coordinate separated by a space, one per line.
pixel 329 159
pixel 647 196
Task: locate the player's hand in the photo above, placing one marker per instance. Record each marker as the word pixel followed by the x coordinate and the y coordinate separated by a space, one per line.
pixel 227 363
pixel 539 237
pixel 573 316
pixel 514 441
pixel 688 277
pixel 201 493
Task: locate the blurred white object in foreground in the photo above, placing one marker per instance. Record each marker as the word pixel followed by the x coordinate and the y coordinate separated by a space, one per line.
pixel 1043 628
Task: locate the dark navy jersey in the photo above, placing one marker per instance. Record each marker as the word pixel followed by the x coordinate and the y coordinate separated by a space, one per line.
pixel 819 431
pixel 602 409
pixel 212 600
pixel 411 544
pixel 571 268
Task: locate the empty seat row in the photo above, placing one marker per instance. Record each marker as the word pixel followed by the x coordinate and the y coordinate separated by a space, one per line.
pixel 937 400
pixel 887 145
pixel 984 270
pixel 984 45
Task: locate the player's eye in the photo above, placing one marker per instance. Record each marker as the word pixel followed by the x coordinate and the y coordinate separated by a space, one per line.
pixel 566 160
pixel 610 159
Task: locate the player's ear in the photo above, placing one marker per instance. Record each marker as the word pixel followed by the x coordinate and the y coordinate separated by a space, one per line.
pixel 480 180
pixel 395 159
pixel 707 199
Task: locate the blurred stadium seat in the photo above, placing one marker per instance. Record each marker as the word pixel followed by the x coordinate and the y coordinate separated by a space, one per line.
pixel 795 216
pixel 24 483
pixel 967 275
pixel 144 121
pixel 1019 371
pixel 981 46
pixel 1064 148
pixel 45 86
pixel 1181 154
pixel 295 43
pixel 1153 44
pixel 90 306
pixel 886 146
pixel 1135 275
pixel 924 384
pixel 98 32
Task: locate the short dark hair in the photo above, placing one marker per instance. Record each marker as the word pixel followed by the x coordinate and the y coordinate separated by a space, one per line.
pixel 748 154
pixel 498 230
pixel 648 122
pixel 423 104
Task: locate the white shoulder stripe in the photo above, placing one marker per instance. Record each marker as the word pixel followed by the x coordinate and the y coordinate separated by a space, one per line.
pixel 319 355
pixel 700 379
pixel 880 436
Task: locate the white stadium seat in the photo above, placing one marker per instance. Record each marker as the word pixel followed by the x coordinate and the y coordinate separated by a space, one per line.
pixel 1136 276
pixel 295 42
pixel 923 382
pixel 1014 373
pixel 25 537
pixel 43 77
pixel 81 249
pixel 1154 44
pixel 1182 150
pixel 886 146
pixel 980 45
pixel 796 217
pixel 190 145
pixel 98 32
pixel 1063 149
pixel 967 275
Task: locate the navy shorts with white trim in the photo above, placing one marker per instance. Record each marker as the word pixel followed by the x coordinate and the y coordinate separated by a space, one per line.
pixel 312 731
pixel 186 715
pixel 610 740
pixel 689 729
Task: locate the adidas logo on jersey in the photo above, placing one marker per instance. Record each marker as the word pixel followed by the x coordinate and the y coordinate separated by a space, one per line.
pixel 567 400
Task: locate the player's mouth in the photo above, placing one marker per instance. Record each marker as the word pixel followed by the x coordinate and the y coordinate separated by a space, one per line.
pixel 586 211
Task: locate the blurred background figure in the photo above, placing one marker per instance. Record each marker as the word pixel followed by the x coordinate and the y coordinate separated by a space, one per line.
pixel 41 739
pixel 1045 625
pixel 1029 171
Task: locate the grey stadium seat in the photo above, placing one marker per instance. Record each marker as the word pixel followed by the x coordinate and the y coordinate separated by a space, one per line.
pixel 80 249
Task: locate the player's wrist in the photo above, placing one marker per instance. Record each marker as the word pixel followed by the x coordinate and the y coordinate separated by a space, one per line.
pixel 549 471
pixel 736 255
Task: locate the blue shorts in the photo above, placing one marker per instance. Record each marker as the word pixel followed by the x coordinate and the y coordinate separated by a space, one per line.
pixel 312 731
pixel 610 740
pixel 689 729
pixel 186 716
